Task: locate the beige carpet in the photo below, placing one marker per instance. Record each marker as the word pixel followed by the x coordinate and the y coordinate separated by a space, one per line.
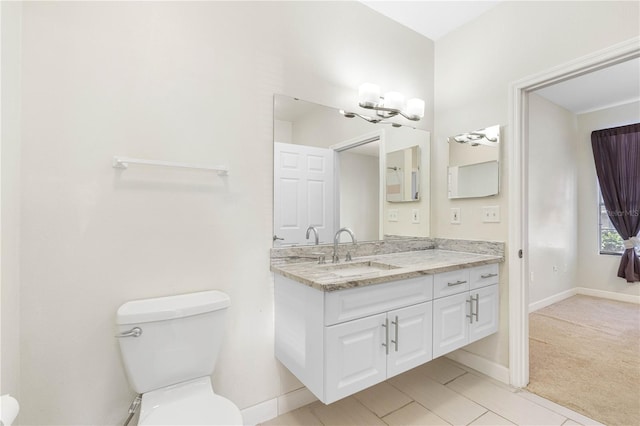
pixel 585 355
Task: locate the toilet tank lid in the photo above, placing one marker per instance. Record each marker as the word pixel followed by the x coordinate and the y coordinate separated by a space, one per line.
pixel 171 307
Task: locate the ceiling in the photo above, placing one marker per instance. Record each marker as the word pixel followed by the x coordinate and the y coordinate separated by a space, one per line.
pixel 433 19
pixel 615 85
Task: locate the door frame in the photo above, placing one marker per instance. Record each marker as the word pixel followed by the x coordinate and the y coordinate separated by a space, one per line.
pixel 518 191
pixel 365 138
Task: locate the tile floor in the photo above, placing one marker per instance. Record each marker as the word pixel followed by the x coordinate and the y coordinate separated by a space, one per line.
pixel 440 392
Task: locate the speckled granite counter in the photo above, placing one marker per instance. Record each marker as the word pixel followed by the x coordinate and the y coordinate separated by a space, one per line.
pixel 381 268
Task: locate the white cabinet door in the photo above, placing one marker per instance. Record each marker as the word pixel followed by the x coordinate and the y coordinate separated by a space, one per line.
pixel 410 340
pixel 450 323
pixel 484 303
pixel 355 356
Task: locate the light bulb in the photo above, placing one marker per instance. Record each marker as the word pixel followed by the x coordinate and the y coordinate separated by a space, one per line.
pixel 415 108
pixel 394 100
pixel 368 95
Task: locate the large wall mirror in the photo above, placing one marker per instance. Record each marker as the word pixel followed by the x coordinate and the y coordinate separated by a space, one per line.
pixel 330 172
pixel 474 163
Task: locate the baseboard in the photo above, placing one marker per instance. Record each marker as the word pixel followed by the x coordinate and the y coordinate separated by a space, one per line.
pixel 480 364
pixel 275 407
pixel 612 295
pixel 259 413
pixel 552 299
pixel 294 400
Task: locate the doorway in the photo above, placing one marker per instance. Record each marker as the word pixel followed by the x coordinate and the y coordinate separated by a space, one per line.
pixel 518 256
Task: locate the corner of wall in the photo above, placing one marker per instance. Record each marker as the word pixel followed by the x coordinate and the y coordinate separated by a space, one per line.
pixel 10 106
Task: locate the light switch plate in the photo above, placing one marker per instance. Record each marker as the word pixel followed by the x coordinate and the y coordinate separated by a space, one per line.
pixel 455 216
pixel 415 216
pixel 392 215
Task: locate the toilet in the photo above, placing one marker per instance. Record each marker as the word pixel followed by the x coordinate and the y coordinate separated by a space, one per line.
pixel 169 347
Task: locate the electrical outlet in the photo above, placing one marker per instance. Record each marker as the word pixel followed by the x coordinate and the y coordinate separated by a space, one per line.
pixel 415 216
pixel 455 216
pixel 392 215
pixel 491 214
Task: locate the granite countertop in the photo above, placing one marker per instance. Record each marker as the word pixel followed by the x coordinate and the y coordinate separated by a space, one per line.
pixel 377 269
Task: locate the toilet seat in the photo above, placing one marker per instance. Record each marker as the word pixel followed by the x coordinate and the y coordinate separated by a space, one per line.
pixel 188 403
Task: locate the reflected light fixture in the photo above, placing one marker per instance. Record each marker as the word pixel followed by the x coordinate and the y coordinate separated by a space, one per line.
pixel 488 136
pixel 387 106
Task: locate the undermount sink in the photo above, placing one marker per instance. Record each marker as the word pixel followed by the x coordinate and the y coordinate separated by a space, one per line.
pixel 351 269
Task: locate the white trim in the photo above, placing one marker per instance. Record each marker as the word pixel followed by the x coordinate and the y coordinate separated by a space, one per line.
pixel 260 412
pixel 375 136
pixel 517 191
pixel 603 294
pixel 552 299
pixel 272 408
pixel 294 400
pixel 611 295
pixel 480 364
pixel 362 139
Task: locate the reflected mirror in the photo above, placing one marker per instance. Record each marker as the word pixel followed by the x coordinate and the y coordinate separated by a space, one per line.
pixel 403 175
pixel 474 163
pixel 329 172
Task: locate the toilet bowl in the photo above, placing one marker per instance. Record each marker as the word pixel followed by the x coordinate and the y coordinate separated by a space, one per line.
pixel 169 347
pixel 9 409
pixel 190 403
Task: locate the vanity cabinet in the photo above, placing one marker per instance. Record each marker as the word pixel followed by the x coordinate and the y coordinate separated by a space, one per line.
pixel 369 350
pixel 465 307
pixel 340 342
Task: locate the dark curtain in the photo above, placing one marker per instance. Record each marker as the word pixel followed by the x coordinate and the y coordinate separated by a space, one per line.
pixel 616 153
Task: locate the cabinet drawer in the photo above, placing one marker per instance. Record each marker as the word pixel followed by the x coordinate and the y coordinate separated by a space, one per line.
pixel 345 305
pixel 482 276
pixel 448 283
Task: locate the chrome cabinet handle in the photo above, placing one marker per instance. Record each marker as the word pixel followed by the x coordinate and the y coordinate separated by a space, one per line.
pixel 456 283
pixel 474 314
pixel 386 335
pixel 477 314
pixel 470 316
pixel 488 275
pixel 396 322
pixel 134 332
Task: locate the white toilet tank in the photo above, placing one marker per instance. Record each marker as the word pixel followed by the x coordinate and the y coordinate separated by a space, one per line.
pixel 179 341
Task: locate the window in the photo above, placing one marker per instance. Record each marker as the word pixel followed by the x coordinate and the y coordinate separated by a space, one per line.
pixel 610 241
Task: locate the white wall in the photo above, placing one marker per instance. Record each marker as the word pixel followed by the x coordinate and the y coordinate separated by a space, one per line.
pixel 399 139
pixel 360 195
pixel 172 81
pixel 474 66
pixel 10 197
pixel 596 271
pixel 553 199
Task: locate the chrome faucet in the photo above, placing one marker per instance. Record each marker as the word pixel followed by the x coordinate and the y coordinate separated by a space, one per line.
pixel 336 240
pixel 315 232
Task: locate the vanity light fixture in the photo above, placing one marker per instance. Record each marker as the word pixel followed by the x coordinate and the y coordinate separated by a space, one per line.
pixel 488 136
pixel 391 104
pixel 373 120
pixel 387 106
